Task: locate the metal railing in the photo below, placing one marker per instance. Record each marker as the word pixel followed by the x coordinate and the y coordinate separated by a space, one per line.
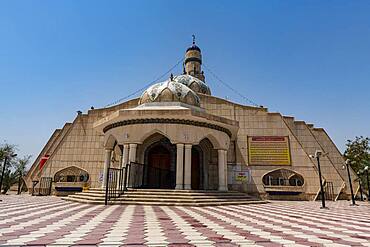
pixel 115 183
pixel 44 188
pixel 283 182
pixel 136 175
pixel 34 183
pixel 328 192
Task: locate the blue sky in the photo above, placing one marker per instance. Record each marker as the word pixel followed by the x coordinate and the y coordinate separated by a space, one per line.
pixel 308 59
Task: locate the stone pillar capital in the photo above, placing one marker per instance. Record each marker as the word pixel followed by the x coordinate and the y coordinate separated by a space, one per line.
pixel 133 145
pixel 188 146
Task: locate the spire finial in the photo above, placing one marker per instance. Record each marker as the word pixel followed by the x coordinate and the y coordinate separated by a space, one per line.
pixel 193 39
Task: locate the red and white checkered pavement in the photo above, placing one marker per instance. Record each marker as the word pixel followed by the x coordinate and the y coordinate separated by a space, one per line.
pixel 26 220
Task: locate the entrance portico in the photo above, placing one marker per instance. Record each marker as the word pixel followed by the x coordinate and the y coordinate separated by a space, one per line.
pixel 180 147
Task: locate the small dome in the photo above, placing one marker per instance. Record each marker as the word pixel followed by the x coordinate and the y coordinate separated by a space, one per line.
pixel 170 91
pixel 193 47
pixel 193 83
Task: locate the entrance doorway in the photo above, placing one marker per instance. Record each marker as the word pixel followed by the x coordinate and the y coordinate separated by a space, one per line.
pixel 158 170
pixel 195 169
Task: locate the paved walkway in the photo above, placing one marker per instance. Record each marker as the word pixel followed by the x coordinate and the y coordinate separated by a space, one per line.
pixel 26 220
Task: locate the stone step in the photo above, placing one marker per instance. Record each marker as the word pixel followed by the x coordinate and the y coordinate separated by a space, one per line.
pixel 168 191
pixel 177 200
pixel 156 203
pixel 87 196
pixel 145 193
pixel 175 196
pixel 172 193
pixel 164 197
pixel 186 197
pixel 185 194
pixel 179 191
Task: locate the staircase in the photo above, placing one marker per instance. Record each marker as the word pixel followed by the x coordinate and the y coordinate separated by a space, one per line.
pixel 163 197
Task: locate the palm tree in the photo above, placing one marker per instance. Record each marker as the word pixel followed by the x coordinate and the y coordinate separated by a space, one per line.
pixel 20 170
pixel 7 155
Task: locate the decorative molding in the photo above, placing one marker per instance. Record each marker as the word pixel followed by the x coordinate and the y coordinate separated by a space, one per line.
pixel 193 59
pixel 166 121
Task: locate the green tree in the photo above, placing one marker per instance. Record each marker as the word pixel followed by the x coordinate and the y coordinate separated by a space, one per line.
pixel 20 168
pixel 21 164
pixel 7 153
pixel 358 152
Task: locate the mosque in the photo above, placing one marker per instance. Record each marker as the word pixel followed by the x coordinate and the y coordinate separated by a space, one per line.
pixel 182 138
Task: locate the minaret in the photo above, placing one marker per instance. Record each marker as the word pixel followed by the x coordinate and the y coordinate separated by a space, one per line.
pixel 193 61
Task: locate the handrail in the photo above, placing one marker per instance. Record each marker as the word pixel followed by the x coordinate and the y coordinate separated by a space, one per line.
pixel 318 193
pixel 340 191
pixel 134 175
pixel 45 184
pixel 34 183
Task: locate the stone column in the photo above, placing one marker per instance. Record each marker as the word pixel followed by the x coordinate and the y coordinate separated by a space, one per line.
pixel 226 176
pixel 187 177
pixel 125 155
pixel 205 174
pixel 108 156
pixel 131 158
pixel 222 173
pixel 132 154
pixel 180 167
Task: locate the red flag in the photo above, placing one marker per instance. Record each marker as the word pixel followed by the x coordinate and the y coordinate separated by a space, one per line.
pixel 43 160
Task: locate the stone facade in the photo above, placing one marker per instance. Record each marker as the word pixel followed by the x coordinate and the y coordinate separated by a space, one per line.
pixel 217 128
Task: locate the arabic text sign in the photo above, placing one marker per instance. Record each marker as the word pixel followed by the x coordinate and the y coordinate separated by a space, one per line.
pixel 268 150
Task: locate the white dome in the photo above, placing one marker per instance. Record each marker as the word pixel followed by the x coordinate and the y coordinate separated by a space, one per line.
pixel 193 83
pixel 170 91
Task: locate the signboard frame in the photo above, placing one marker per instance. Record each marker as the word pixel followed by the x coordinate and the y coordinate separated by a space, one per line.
pixel 269 164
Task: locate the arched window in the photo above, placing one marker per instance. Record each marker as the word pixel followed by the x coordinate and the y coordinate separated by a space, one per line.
pixel 282 177
pixel 71 174
pixel 296 180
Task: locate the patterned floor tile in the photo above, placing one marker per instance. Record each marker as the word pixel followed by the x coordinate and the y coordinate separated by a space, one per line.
pixel 49 221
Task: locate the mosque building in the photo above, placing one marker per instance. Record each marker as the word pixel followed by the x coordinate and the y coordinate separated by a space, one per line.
pixel 178 136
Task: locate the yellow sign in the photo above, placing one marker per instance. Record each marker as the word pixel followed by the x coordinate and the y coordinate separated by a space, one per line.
pixel 268 150
pixel 242 176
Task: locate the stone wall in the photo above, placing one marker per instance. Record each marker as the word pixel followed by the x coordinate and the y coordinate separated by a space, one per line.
pixel 80 145
pixel 254 121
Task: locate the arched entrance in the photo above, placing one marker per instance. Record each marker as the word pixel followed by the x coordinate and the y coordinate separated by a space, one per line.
pixel 196 164
pixel 159 167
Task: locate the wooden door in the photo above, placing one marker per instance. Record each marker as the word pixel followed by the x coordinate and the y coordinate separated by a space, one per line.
pixel 195 170
pixel 158 168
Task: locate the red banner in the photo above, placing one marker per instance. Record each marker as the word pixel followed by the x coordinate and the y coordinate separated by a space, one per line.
pixel 43 160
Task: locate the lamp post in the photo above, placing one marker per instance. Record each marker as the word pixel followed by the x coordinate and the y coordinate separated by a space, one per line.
pixel 360 185
pixel 350 182
pixel 366 169
pixel 317 155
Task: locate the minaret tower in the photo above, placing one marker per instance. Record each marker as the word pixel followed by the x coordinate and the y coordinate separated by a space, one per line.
pixel 193 61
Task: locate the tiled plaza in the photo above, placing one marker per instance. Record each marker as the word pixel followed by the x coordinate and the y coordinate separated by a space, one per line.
pixel 39 221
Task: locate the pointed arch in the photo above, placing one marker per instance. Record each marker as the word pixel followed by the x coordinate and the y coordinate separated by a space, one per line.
pixel 110 142
pixel 71 174
pixel 213 140
pixel 152 133
pixel 283 177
